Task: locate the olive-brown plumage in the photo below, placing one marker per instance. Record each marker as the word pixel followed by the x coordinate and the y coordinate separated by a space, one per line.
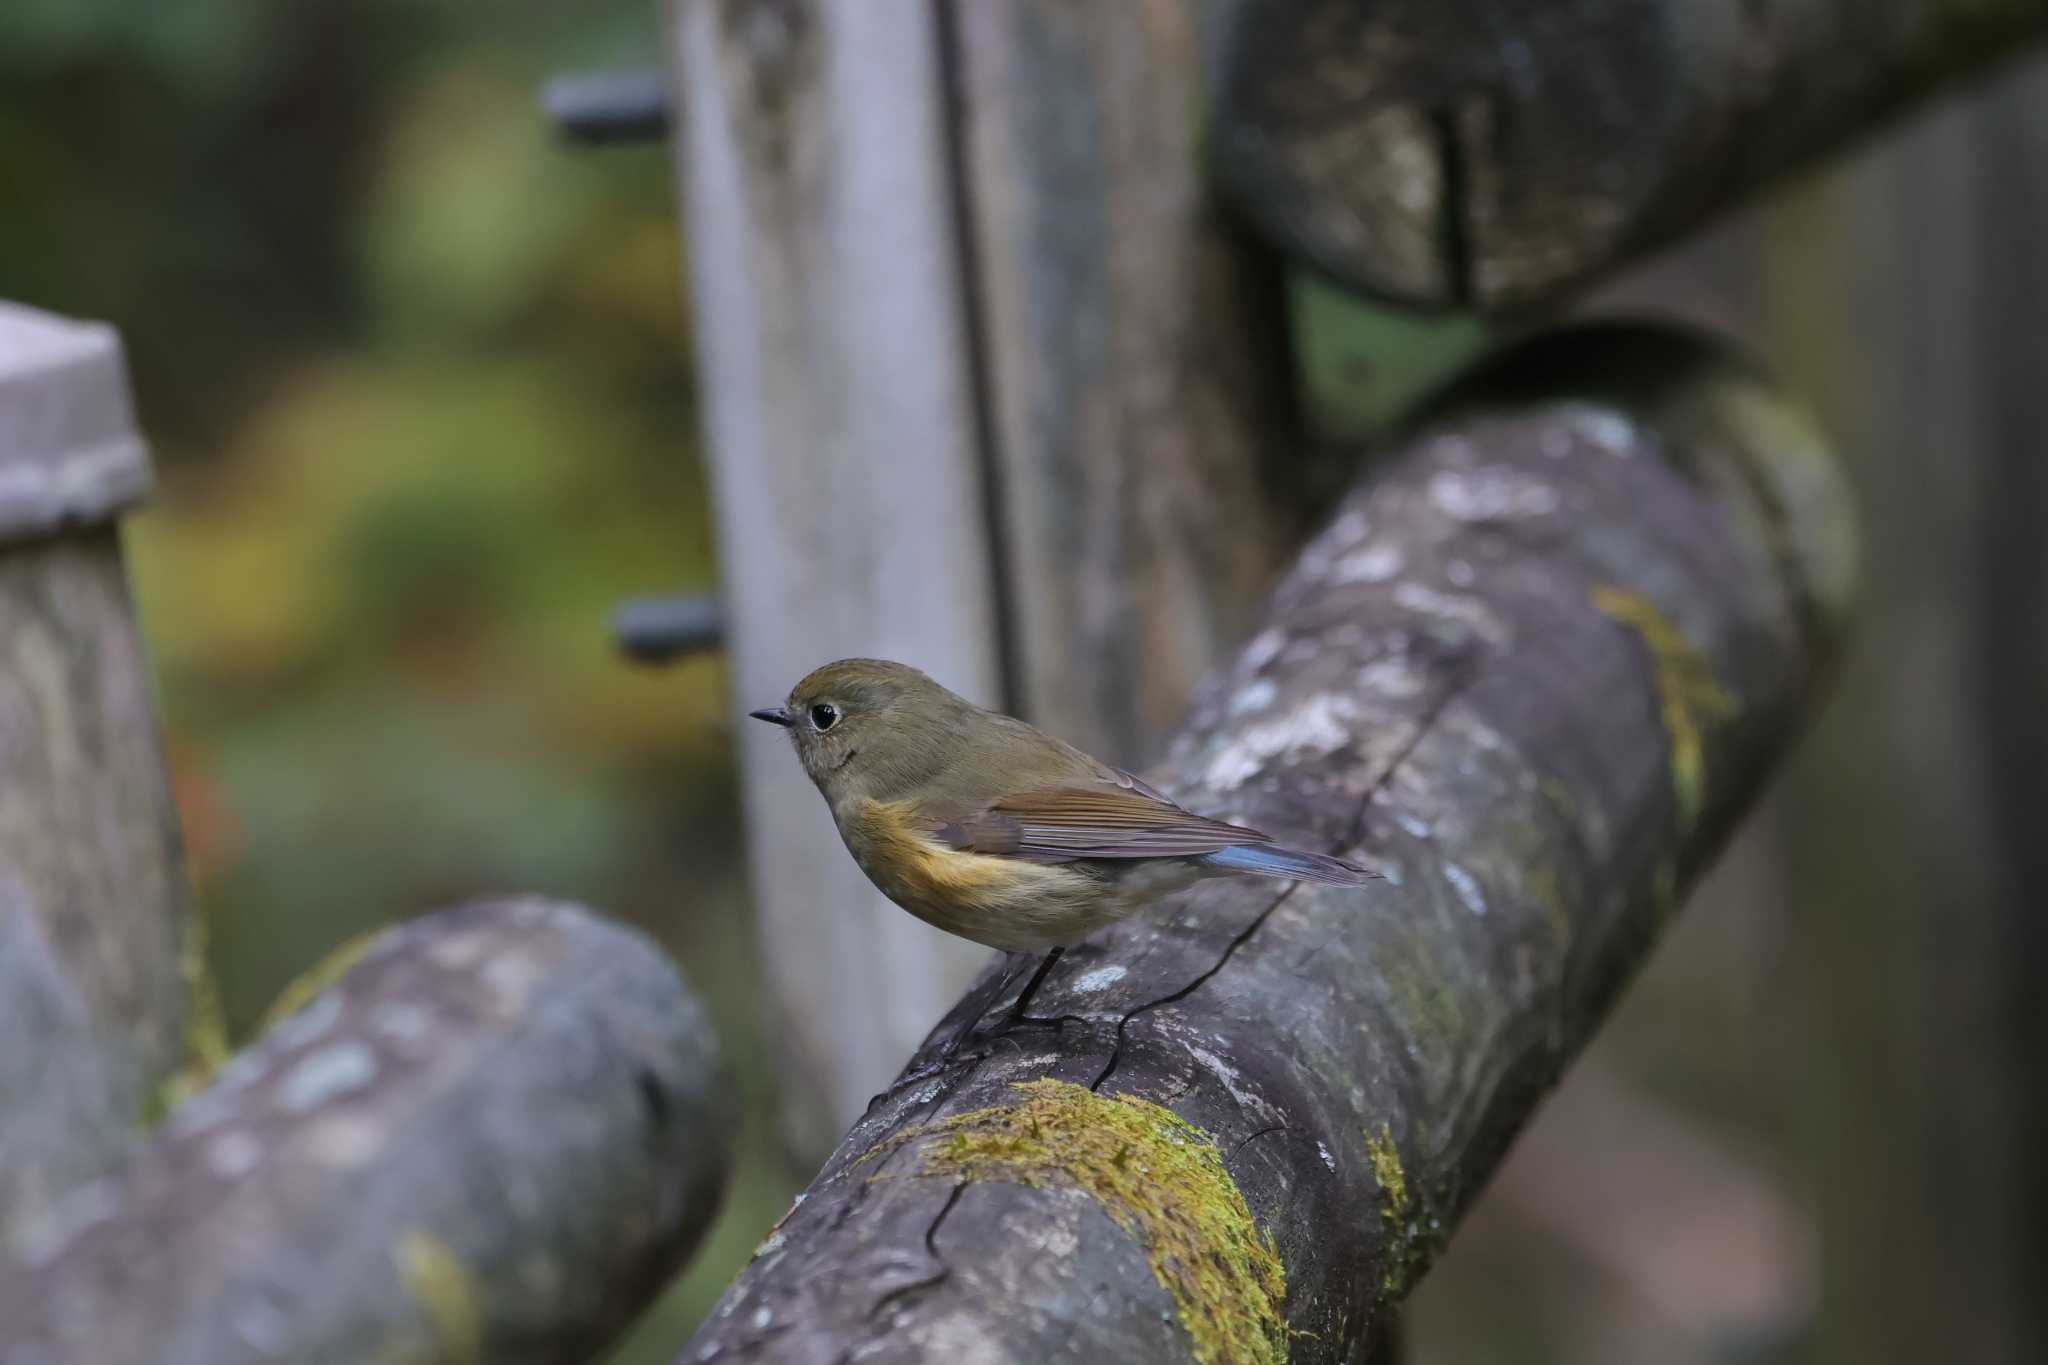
pixel 989 828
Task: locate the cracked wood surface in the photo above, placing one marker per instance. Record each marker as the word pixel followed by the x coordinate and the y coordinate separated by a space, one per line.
pixel 493 1138
pixel 1490 154
pixel 92 894
pixel 1132 353
pixel 1533 670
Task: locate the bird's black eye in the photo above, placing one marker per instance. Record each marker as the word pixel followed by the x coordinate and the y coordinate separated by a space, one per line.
pixel 824 715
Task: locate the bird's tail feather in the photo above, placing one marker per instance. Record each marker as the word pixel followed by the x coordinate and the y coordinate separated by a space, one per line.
pixel 1270 860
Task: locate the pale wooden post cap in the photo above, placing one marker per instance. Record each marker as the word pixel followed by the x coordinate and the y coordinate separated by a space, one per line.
pixel 69 451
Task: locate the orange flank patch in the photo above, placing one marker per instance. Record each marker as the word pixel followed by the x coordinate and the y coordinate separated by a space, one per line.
pixel 1002 902
pixel 921 862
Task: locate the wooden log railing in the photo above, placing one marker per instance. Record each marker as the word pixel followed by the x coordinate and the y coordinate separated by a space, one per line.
pixel 493 1138
pixel 1533 670
pixel 1493 154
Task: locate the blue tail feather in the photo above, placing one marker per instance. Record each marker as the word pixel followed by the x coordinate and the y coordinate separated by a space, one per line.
pixel 1270 860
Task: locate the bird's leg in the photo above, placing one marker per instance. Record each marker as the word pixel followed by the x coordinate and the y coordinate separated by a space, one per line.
pixel 1052 955
pixel 968 1014
pixel 959 1024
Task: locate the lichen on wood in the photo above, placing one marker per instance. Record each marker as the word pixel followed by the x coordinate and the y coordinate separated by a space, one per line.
pixel 1687 694
pixel 1158 1177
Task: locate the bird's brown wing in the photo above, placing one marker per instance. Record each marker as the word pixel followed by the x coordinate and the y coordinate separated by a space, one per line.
pixel 1071 821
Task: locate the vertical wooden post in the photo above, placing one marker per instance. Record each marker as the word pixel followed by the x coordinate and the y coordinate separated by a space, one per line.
pixel 840 424
pixel 1135 356
pixel 2009 663
pixel 1909 296
pixel 92 898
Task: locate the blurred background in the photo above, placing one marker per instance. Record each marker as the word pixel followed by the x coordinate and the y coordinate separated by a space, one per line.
pixel 418 387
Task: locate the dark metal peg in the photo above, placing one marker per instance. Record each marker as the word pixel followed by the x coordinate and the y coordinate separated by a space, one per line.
pixel 609 106
pixel 659 630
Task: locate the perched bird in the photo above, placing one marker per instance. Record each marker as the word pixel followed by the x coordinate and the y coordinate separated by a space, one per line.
pixel 993 830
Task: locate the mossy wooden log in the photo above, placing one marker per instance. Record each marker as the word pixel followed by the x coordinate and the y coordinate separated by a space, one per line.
pixel 1533 670
pixel 92 896
pixel 491 1139
pixel 1488 154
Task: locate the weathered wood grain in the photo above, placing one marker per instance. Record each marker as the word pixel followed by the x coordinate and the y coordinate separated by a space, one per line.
pixel 493 1138
pixel 1135 361
pixel 92 896
pixel 1533 671
pixel 1490 154
pixel 838 396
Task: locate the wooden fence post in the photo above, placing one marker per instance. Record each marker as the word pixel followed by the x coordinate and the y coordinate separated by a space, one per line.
pixel 839 407
pixel 1135 356
pixel 93 907
pixel 1910 296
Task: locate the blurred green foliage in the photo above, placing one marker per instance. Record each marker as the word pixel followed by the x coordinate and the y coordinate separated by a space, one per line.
pixel 415 378
pixel 1362 365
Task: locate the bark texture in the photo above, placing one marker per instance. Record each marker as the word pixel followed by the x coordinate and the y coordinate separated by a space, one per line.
pixel 1533 670
pixel 1489 154
pixel 1132 362
pixel 92 895
pixel 493 1138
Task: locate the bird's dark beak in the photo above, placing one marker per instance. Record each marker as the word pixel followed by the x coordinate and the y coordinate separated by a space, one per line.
pixel 774 715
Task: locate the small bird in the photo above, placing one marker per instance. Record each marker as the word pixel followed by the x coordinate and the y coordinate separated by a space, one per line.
pixel 989 828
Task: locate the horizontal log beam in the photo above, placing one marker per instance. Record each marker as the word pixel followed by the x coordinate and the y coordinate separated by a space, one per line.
pixel 492 1138
pixel 1491 154
pixel 1533 670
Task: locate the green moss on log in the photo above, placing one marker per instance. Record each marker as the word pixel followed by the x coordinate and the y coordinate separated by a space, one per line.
pixel 1687 694
pixel 1158 1177
pixel 442 1285
pixel 300 990
pixel 205 1048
